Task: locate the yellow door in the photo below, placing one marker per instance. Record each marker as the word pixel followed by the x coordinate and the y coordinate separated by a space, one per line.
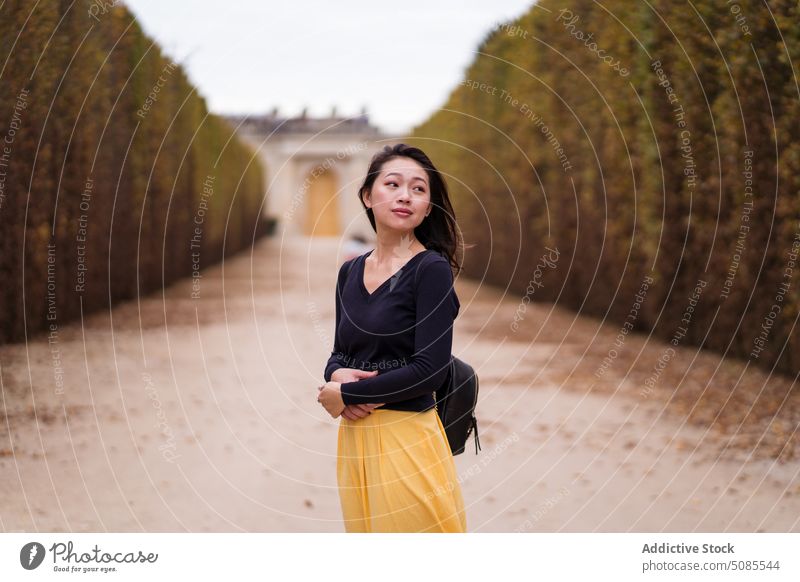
pixel 322 217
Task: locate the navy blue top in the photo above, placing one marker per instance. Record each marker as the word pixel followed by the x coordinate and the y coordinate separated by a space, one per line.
pixel 403 329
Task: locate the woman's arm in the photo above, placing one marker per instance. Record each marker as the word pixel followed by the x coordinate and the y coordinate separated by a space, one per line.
pixel 437 307
pixel 335 360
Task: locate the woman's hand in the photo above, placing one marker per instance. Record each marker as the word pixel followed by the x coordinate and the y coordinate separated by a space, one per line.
pixel 343 375
pixel 350 411
pixel 358 411
pixel 330 396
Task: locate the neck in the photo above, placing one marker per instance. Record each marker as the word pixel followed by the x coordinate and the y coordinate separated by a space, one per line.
pixel 396 246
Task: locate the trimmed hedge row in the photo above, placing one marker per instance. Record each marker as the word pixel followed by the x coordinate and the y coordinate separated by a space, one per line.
pixel 114 178
pixel 645 142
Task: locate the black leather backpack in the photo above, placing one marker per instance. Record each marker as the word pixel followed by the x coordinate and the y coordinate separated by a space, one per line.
pixel 455 402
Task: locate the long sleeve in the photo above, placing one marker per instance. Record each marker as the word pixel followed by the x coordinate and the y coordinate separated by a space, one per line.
pixel 335 361
pixel 436 307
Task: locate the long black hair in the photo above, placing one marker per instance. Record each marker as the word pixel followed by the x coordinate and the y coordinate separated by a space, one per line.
pixel 438 230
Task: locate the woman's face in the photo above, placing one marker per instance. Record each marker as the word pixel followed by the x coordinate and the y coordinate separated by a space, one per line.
pixel 402 184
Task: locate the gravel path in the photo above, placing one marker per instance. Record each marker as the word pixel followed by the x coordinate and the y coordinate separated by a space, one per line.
pixel 182 414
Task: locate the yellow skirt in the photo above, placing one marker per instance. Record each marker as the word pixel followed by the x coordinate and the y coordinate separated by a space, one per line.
pixel 396 474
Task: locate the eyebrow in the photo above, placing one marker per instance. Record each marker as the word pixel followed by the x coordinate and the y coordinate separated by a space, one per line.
pixel 401 175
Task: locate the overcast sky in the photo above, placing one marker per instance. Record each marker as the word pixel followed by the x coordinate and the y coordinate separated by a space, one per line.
pixel 399 59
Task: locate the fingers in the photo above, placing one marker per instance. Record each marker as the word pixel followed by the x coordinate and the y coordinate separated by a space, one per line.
pixel 360 411
pixel 364 373
pixel 355 411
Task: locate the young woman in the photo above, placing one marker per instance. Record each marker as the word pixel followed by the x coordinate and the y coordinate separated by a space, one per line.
pixel 395 307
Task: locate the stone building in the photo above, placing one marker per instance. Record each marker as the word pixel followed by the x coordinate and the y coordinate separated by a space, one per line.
pixel 313 168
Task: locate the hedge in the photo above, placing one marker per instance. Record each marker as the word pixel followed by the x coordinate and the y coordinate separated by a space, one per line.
pixel 116 181
pixel 644 141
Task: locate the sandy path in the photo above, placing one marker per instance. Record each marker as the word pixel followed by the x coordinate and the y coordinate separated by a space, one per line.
pixel 200 415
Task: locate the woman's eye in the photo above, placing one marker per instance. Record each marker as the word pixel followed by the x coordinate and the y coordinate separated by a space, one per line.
pixel 420 189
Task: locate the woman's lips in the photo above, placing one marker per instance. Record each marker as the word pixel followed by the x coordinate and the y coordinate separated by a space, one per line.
pixel 401 212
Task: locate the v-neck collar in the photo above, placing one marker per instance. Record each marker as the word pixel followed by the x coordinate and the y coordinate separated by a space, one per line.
pixel 362 269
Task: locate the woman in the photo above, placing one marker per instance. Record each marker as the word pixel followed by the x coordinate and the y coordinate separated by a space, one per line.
pixel 395 307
